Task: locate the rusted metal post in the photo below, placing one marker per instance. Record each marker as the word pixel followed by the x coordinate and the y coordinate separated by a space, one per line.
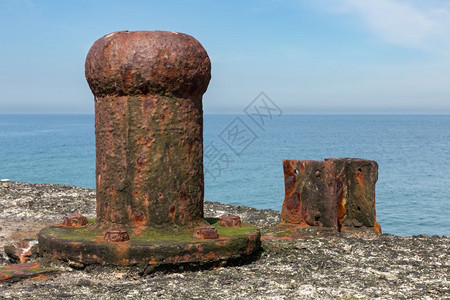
pixel 355 193
pixel 337 193
pixel 148 88
pixel 309 189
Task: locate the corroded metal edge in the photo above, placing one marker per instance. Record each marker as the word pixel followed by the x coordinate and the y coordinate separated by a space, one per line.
pixel 21 271
pixel 334 193
pixel 143 254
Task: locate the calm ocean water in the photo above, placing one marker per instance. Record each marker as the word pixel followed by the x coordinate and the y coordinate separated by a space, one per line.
pixel 413 151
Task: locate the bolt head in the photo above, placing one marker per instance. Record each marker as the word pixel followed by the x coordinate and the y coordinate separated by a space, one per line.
pixel 75 220
pixel 206 233
pixel 119 235
pixel 138 216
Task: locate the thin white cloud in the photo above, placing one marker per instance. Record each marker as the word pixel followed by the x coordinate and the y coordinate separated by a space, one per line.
pixel 396 22
pixel 424 25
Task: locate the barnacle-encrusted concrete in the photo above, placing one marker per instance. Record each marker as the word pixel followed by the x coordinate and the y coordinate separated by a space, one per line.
pixel 336 266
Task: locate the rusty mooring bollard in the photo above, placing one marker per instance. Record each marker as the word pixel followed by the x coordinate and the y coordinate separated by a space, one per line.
pixel 148 88
pixel 337 193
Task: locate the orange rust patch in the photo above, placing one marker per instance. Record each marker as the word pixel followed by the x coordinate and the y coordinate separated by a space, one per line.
pixel 212 256
pixel 187 257
pixel 172 211
pixel 292 211
pixel 4 276
pixel 341 210
pixel 139 218
pixel 22 266
pixel 377 228
pixel 139 229
pixel 222 242
pixel 40 277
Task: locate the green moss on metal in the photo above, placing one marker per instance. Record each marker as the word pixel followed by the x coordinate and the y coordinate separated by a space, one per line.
pixel 159 236
pixel 32 270
pixel 245 229
pixel 148 236
pixel 73 233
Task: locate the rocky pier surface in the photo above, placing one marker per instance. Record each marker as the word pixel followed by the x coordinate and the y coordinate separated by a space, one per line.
pixel 320 266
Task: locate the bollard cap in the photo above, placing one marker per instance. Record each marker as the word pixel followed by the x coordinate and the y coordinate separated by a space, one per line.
pixel 147 62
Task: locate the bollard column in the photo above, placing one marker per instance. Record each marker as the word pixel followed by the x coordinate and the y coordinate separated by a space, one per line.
pixel 148 89
pixel 337 193
pixel 309 193
pixel 355 193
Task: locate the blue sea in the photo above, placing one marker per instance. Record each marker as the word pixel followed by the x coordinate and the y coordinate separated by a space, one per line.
pixel 243 158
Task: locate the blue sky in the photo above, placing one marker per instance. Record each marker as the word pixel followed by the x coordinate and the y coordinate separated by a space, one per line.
pixel 322 56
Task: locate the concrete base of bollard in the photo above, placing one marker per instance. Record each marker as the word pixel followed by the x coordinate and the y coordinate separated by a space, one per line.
pixel 148 248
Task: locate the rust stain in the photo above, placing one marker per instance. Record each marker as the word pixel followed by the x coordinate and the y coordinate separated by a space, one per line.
pixel 212 256
pixel 139 218
pixel 377 228
pixel 172 211
pixel 341 210
pixel 223 242
pixel 23 266
pixel 40 277
pixel 337 193
pixel 4 276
